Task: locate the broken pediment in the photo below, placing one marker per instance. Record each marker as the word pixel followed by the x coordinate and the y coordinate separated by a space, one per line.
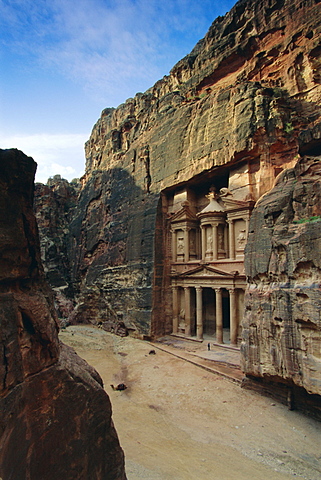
pixel 231 205
pixel 185 214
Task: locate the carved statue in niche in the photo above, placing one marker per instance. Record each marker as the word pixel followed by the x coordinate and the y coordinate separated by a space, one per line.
pixel 181 320
pixel 241 239
pixel 192 243
pixel 209 243
pixel 220 240
pixel 180 245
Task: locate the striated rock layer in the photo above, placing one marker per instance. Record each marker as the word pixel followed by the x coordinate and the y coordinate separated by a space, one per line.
pixel 55 417
pixel 232 115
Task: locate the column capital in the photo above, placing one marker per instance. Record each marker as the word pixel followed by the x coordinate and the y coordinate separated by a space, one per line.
pixel 231 289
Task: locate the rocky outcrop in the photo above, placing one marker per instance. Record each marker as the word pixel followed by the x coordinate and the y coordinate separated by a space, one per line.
pixel 55 416
pixel 56 203
pixel 281 325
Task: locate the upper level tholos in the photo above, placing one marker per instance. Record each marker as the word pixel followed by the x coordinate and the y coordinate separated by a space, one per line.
pixel 213 234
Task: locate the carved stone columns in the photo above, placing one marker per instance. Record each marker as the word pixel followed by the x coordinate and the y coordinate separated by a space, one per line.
pixel 219 315
pixel 231 239
pixel 247 221
pixel 199 313
pixel 203 234
pixel 174 245
pixel 175 309
pixel 215 245
pixel 186 244
pixel 233 317
pixel 187 292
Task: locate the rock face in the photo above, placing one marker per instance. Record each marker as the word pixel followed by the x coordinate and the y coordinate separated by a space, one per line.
pixel 55 416
pixel 281 324
pixel 56 203
pixel 232 115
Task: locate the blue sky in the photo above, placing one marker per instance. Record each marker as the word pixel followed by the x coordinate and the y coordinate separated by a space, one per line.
pixel 64 61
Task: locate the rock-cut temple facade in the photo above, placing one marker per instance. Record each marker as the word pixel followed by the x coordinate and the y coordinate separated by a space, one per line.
pixel 207 264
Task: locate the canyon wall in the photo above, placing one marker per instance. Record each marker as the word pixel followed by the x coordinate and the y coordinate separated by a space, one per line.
pixel 55 415
pixel 240 109
pixel 282 323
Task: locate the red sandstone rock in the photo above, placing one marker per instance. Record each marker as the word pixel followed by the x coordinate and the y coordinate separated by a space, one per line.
pixel 55 417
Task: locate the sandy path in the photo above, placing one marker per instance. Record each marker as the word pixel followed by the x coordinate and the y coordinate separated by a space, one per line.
pixel 179 422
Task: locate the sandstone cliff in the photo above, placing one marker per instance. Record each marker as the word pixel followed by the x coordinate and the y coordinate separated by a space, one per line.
pixel 241 108
pixel 247 98
pixel 281 324
pixel 55 416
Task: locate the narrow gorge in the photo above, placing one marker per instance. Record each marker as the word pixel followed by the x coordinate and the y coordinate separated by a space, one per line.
pixel 199 212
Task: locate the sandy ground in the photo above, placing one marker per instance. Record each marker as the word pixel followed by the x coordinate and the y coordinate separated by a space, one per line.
pixel 177 421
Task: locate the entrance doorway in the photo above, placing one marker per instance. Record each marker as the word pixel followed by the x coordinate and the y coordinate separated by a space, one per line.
pixel 226 308
pixel 209 320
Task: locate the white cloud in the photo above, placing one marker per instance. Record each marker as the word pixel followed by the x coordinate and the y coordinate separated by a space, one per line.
pixel 107 49
pixel 54 153
pixel 111 48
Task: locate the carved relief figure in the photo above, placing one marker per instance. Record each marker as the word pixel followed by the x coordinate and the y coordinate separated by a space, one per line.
pixel 180 245
pixel 181 319
pixel 209 244
pixel 192 243
pixel 241 239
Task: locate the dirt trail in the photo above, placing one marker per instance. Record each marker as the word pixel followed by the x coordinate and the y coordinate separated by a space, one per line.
pixel 178 422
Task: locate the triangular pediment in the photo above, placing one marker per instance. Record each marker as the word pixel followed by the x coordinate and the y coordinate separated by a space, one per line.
pixel 206 271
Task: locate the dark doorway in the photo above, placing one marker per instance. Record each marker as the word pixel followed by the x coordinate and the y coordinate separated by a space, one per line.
pixel 209 321
pixel 193 312
pixel 226 308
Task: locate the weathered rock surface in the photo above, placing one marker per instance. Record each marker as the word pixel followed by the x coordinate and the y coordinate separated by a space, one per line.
pixel 55 205
pixel 55 417
pixel 242 107
pixel 282 325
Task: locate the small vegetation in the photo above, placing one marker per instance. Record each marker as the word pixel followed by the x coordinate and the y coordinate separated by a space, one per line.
pixel 288 128
pixel 315 218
